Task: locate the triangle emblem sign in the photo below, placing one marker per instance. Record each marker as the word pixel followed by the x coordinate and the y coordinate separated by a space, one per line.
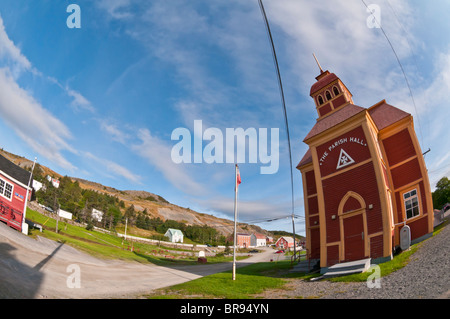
pixel 344 160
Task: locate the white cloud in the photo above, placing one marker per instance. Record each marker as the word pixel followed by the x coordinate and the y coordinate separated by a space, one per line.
pixel 115 169
pixel 32 122
pixel 158 153
pixel 115 133
pixel 10 51
pixel 79 101
pixel 117 9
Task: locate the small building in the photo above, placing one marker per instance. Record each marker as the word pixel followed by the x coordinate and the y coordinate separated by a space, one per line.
pixel 97 214
pixel 258 240
pixel 284 242
pixel 364 178
pixel 175 235
pixel 54 181
pixel 37 185
pixel 243 240
pixel 269 239
pixel 13 190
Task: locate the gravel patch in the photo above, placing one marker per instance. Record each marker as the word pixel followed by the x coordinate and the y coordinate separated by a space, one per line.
pixel 427 276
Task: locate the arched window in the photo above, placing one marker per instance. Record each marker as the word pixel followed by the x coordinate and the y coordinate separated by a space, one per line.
pixel 335 91
pixel 328 95
pixel 320 100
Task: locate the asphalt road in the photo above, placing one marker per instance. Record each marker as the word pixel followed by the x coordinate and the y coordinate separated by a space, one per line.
pixel 43 268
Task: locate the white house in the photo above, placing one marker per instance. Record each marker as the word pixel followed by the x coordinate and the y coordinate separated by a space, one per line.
pixel 54 181
pixel 258 240
pixel 97 214
pixel 175 235
pixel 37 185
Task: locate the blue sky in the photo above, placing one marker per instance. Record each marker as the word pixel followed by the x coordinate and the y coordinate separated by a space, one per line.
pixel 101 102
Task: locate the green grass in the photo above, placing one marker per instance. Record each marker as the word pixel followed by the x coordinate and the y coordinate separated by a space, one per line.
pixel 108 246
pixel 250 280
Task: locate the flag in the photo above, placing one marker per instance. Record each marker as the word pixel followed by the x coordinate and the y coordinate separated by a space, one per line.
pixel 238 176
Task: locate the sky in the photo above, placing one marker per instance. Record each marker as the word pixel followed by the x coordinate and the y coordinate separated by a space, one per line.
pixel 102 101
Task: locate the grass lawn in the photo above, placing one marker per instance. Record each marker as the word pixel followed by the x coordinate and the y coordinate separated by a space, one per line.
pixel 109 246
pixel 250 280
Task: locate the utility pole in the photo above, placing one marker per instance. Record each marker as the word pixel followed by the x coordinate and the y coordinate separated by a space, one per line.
pixel 56 209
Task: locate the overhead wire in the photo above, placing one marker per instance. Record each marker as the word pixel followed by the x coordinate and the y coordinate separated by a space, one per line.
pixel 400 64
pixel 412 54
pixel 283 102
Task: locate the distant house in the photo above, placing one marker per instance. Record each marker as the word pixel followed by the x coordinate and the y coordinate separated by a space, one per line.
pixel 284 242
pixel 13 191
pixel 37 185
pixel 175 235
pixel 54 181
pixel 258 240
pixel 269 239
pixel 243 240
pixel 97 214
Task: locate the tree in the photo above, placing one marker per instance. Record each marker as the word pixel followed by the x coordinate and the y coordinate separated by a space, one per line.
pixel 441 195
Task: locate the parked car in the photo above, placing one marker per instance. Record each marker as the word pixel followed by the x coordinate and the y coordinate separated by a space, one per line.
pixel 279 251
pixel 254 251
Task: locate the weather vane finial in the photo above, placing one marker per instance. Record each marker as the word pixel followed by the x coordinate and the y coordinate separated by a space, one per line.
pixel 317 61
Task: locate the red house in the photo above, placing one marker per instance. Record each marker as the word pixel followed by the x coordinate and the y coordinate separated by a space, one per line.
pixel 364 178
pixel 13 189
pixel 284 242
pixel 243 240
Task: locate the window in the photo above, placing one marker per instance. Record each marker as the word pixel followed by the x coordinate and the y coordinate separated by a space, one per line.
pixel 328 95
pixel 335 91
pixel 320 100
pixel 411 202
pixel 6 189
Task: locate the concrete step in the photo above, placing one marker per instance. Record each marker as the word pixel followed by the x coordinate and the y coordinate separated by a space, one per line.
pixel 352 267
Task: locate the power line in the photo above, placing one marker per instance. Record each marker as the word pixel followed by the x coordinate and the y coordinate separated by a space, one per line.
pixel 280 85
pixel 401 67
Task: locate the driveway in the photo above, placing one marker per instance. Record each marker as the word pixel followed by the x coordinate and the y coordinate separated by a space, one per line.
pixel 43 268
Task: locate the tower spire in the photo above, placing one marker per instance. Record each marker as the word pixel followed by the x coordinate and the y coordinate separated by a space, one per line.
pixel 318 64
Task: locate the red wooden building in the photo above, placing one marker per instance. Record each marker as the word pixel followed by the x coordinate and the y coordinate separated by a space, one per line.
pixel 13 188
pixel 364 178
pixel 243 240
pixel 285 243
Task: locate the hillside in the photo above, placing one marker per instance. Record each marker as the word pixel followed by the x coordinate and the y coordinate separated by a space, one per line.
pixel 156 205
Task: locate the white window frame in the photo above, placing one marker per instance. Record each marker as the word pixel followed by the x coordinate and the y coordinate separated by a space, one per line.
pixel 411 203
pixel 3 185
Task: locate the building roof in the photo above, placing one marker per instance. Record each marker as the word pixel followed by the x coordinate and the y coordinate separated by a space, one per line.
pixel 259 236
pixel 385 115
pixel 173 231
pixel 307 158
pixel 15 171
pixel 288 239
pixel 242 234
pixel 323 80
pixel 334 119
pixel 381 113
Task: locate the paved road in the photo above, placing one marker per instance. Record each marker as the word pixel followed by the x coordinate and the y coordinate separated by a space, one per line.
pixel 46 269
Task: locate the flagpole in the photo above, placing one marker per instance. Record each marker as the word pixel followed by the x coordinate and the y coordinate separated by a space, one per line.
pixel 235 218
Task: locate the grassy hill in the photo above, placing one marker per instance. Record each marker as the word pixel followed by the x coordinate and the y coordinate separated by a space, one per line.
pixel 153 204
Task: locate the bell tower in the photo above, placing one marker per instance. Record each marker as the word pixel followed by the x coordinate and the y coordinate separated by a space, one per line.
pixel 329 93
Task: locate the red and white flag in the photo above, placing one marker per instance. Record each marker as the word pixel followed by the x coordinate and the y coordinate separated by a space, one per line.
pixel 238 176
